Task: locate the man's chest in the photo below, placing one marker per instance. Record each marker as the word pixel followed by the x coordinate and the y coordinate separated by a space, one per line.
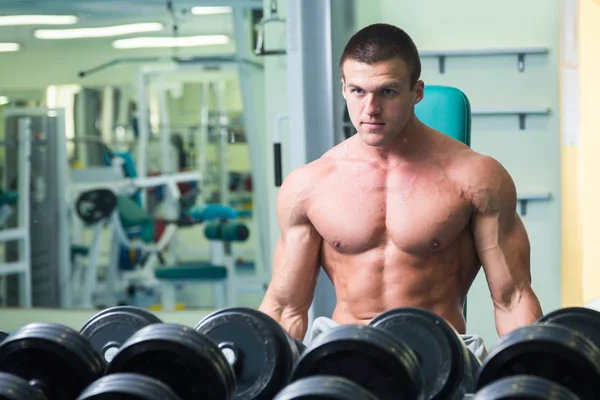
pixel 415 213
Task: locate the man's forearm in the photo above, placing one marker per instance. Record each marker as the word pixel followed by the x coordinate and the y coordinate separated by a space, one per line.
pixel 524 310
pixel 295 322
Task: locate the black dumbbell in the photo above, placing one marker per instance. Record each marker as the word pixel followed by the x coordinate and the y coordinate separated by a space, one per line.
pixel 444 359
pixel 14 388
pixel 324 388
pixel 185 360
pixel 3 335
pixel 52 358
pixel 127 386
pixel 260 351
pixel 524 387
pixel 369 356
pixel 546 350
pixel 110 328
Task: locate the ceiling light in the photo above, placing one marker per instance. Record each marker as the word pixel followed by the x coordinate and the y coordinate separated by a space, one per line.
pixel 4 47
pixel 11 20
pixel 210 10
pixel 189 41
pixel 106 31
pixel 4 100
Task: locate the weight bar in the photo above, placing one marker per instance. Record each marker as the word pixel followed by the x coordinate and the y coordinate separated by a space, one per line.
pixel 110 328
pixel 128 386
pixel 52 358
pixel 185 360
pixel 260 351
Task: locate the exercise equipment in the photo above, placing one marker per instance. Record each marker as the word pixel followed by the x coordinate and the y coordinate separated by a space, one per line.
pixel 583 320
pixel 53 358
pixel 525 387
pixel 185 360
pixel 14 388
pixel 3 336
pixel 93 206
pixel 324 388
pixel 127 386
pixel 259 350
pixel 550 351
pixel 369 356
pixel 110 328
pixel 443 357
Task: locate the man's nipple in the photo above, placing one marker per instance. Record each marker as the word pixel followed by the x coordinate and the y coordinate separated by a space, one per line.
pixel 435 244
pixel 336 244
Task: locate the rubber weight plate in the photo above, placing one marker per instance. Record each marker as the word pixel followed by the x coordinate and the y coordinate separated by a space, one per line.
pixel 324 388
pixel 580 319
pixel 185 360
pixel 260 351
pixel 52 357
pixel 443 356
pixel 524 387
pixel 15 388
pixel 127 386
pixel 110 328
pixel 548 351
pixel 371 357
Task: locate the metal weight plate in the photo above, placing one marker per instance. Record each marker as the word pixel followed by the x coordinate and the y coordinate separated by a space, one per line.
pixel 548 351
pixel 524 387
pixel 443 356
pixel 185 360
pixel 51 357
pixel 15 388
pixel 260 351
pixel 475 367
pixel 93 206
pixel 584 320
pixel 324 388
pixel 110 328
pixel 127 386
pixel 371 357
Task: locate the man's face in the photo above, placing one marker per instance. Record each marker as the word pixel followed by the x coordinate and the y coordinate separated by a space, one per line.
pixel 380 99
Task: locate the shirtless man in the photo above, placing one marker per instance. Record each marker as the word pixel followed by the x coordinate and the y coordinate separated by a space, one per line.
pixel 399 214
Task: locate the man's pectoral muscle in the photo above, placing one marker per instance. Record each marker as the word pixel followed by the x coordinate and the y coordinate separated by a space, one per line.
pixel 504 250
pixel 295 264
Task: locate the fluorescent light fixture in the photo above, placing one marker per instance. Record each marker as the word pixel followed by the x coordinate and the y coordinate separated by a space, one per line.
pixel 12 20
pixel 210 10
pixel 3 100
pixel 4 47
pixel 189 41
pixel 106 31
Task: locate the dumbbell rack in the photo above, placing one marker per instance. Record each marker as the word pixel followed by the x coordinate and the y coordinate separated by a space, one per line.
pixel 21 232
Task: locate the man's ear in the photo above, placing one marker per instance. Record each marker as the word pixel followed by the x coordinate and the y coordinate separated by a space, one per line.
pixel 419 91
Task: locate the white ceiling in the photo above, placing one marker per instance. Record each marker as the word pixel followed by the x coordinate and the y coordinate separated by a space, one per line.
pixel 96 13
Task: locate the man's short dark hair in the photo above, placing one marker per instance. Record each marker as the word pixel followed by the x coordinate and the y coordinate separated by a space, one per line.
pixel 383 42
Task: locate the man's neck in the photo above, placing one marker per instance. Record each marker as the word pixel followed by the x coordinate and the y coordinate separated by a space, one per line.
pixel 401 149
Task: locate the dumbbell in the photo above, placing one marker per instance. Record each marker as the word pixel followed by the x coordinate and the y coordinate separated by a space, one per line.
pixel 524 387
pixel 3 336
pixel 324 388
pixel 110 328
pixel 128 386
pixel 371 357
pixel 51 358
pixel 183 359
pixel 444 360
pixel 261 353
pixel 557 348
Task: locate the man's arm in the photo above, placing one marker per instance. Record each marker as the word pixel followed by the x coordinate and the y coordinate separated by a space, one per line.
pixel 296 259
pixel 503 246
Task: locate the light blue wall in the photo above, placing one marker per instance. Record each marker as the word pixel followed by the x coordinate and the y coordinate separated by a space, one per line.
pixel 532 156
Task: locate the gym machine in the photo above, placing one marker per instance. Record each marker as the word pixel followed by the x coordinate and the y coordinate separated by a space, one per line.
pixel 41 220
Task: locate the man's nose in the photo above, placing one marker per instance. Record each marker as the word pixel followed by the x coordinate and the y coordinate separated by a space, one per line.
pixel 372 106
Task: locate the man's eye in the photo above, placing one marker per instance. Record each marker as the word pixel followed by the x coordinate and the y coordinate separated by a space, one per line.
pixel 388 92
pixel 358 91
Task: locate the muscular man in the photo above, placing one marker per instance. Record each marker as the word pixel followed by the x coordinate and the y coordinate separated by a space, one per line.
pixel 399 214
